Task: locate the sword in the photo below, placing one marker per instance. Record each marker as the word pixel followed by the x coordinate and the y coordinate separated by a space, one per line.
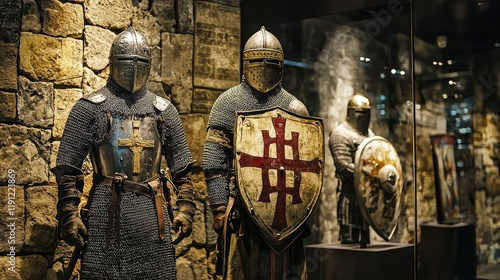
pixel 226 234
pixel 72 263
pixel 84 214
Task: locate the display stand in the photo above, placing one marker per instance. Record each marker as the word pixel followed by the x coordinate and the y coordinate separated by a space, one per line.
pixel 384 261
pixel 447 251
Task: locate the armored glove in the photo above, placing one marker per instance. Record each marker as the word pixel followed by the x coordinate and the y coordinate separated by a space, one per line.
pixel 183 221
pixel 219 213
pixel 71 226
pixel 70 185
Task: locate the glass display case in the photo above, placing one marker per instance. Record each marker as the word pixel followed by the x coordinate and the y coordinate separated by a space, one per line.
pixel 428 68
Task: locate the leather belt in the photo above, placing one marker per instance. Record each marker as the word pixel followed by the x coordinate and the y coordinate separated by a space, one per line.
pixel 138 188
pixel 150 188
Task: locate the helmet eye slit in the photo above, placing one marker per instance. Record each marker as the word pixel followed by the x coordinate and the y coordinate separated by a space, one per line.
pixel 256 60
pixel 272 61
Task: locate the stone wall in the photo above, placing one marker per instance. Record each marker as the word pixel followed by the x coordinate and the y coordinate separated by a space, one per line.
pixel 54 52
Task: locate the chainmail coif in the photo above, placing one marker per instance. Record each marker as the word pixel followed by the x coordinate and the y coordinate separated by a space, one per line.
pixel 137 253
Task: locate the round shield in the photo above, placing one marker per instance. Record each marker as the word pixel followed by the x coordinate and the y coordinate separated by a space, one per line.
pixel 378 180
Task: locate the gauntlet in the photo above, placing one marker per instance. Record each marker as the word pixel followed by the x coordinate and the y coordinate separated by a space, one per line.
pixel 70 185
pixel 183 221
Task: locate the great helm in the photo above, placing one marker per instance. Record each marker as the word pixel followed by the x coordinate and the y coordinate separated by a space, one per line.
pixel 263 59
pixel 358 112
pixel 130 60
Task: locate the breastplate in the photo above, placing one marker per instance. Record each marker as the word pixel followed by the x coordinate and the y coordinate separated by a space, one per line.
pixel 133 147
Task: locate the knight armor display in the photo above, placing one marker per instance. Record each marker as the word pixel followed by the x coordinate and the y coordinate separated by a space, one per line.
pixel 243 250
pixel 125 228
pixel 343 142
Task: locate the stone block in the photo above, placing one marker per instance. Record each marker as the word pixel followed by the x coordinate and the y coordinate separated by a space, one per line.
pixel 8 71
pixel 26 151
pixel 199 185
pixel 176 68
pixel 45 58
pixel 160 89
pixel 198 259
pixel 56 272
pixel 155 74
pixel 7 106
pixel 199 233
pixel 97 48
pixel 35 103
pixel 195 129
pixel 91 82
pixel 97 12
pixel 185 11
pixel 164 12
pixel 184 268
pixel 26 267
pixel 52 160
pixel 227 2
pixel 12 208
pixel 30 21
pixel 62 19
pixel 10 21
pixel 216 45
pixel 41 224
pixel 64 100
pixel 203 100
pixel 147 25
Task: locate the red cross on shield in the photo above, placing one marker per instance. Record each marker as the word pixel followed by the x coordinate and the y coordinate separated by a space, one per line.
pixel 279 168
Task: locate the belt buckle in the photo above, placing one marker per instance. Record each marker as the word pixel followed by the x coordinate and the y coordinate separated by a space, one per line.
pixel 119 178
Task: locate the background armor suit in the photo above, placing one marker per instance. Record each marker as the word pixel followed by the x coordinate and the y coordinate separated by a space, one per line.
pixel 126 129
pixel 247 255
pixel 344 141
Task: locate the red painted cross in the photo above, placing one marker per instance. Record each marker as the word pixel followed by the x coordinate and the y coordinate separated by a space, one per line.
pixel 281 164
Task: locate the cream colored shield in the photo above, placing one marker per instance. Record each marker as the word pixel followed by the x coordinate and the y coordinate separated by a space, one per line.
pixel 378 180
pixel 279 168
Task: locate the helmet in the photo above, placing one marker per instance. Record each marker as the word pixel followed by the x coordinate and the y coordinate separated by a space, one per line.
pixel 130 60
pixel 358 112
pixel 263 61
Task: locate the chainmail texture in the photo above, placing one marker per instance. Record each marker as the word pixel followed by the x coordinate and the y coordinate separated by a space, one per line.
pixel 217 158
pixel 137 252
pixel 344 141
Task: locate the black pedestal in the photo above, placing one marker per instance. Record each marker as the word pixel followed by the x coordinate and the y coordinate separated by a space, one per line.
pixel 447 251
pixel 384 261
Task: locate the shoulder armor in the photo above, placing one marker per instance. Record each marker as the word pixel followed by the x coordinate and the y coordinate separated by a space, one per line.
pixel 95 98
pixel 161 103
pixel 298 107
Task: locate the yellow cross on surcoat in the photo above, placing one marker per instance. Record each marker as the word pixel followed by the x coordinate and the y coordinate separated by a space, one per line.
pixel 136 144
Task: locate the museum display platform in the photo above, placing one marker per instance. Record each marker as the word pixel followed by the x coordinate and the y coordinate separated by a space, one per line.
pixel 380 260
pixel 447 251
